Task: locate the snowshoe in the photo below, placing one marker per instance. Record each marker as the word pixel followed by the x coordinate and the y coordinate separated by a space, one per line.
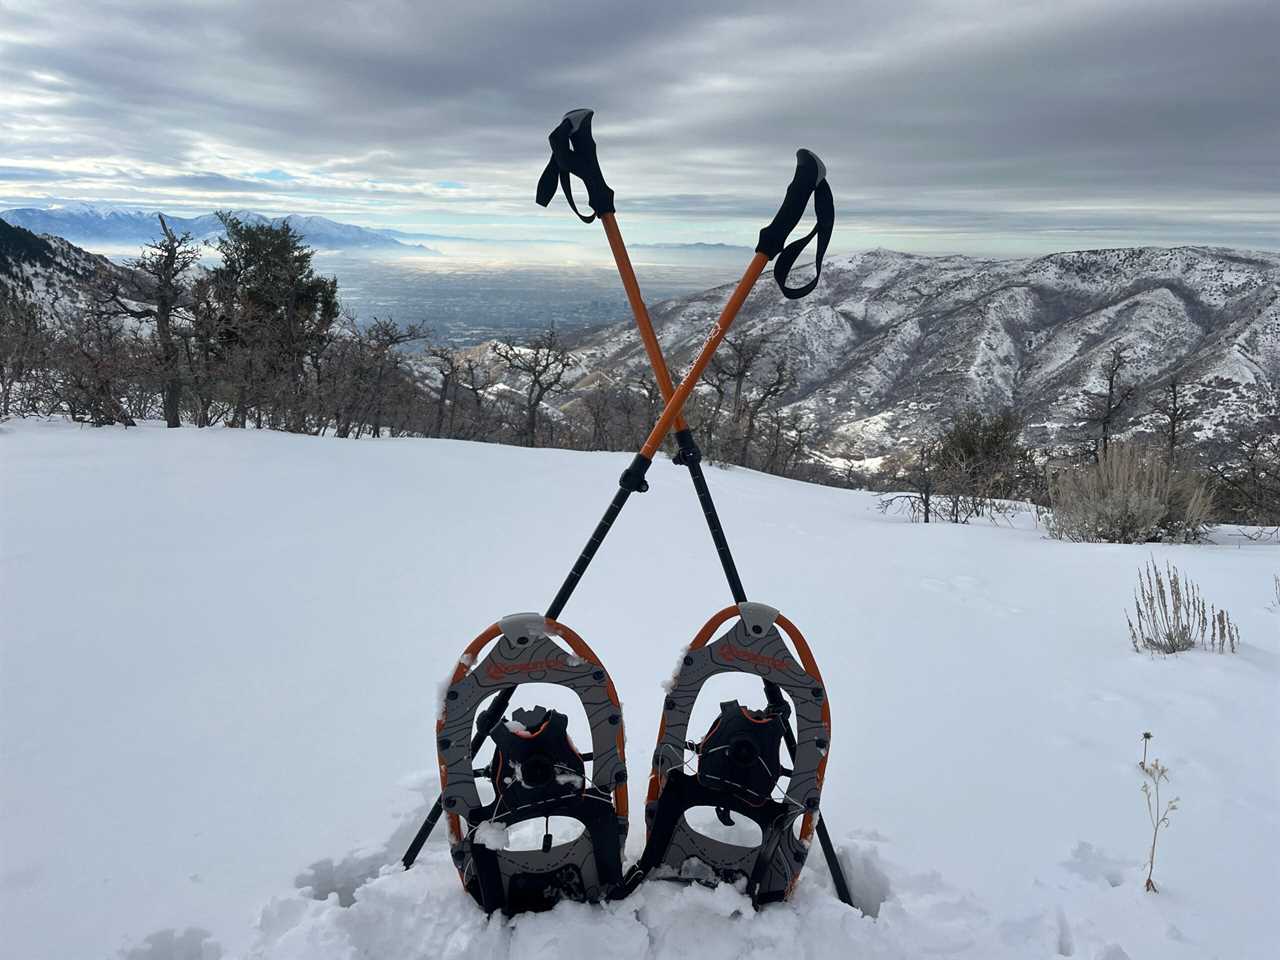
pixel 738 769
pixel 536 771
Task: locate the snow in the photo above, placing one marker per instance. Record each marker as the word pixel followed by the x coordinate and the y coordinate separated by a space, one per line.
pixel 892 335
pixel 490 834
pixel 219 651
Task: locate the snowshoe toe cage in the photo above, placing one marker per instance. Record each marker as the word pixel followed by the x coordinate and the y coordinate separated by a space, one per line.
pixel 536 771
pixel 737 762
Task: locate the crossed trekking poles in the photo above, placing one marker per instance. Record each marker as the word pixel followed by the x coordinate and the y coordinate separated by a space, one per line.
pixel 574 154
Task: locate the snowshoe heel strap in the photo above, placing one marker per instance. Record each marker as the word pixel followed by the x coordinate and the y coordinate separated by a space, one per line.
pixel 573 153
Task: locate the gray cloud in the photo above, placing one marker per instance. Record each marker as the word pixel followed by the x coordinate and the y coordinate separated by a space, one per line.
pixel 983 126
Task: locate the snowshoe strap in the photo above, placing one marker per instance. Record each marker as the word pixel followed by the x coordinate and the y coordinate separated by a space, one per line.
pixel 771 839
pixel 573 153
pixel 810 180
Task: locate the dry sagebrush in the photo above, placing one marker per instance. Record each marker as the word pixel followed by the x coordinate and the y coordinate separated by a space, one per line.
pixel 1129 496
pixel 1173 617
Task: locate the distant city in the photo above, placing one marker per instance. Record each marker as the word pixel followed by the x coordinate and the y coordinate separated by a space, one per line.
pixel 465 303
pixel 465 290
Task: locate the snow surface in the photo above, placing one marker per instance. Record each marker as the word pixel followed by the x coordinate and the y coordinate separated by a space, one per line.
pixel 220 653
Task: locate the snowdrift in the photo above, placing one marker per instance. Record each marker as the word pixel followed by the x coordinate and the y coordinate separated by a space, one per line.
pixel 220 653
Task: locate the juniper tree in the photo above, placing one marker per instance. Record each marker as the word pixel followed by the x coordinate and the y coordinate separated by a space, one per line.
pixel 161 283
pixel 277 314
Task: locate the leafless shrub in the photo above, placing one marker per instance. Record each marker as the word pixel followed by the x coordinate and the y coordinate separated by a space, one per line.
pixel 1129 496
pixel 1172 616
pixel 1245 463
pixel 976 467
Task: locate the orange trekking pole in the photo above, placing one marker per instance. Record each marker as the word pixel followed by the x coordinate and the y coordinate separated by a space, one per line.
pixel 601 197
pixel 574 153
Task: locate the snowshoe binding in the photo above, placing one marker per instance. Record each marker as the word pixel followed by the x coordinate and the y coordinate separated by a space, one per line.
pixel 536 771
pixel 738 768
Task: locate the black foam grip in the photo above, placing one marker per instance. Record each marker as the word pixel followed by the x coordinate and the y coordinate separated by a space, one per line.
pixel 573 153
pixel 825 211
pixel 807 177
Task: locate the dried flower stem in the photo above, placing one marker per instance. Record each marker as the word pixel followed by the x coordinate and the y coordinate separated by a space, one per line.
pixel 1155 772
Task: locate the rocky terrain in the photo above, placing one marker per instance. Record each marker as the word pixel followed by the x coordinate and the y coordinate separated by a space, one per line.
pixel 891 344
pixel 49 271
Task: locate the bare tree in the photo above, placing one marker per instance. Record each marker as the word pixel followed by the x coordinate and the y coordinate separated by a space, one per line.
pixel 543 363
pixel 918 472
pixel 1246 466
pixel 476 379
pixel 1175 412
pixel 741 395
pixel 601 405
pixel 763 394
pixel 95 364
pixel 22 342
pixel 1103 407
pixel 448 364
pixel 383 340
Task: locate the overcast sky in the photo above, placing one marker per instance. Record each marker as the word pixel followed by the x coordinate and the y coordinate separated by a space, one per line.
pixel 987 127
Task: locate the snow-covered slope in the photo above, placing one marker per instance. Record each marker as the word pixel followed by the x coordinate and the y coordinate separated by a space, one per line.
pixel 220 653
pixel 49 271
pixel 890 343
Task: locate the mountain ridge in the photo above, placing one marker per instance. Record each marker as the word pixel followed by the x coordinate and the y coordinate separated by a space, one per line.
pixel 90 224
pixel 891 344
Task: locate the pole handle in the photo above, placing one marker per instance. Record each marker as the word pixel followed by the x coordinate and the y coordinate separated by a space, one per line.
pixel 573 153
pixel 809 180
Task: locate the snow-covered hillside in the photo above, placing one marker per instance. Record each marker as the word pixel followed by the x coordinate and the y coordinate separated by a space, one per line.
pixel 220 653
pixel 890 343
pixel 49 271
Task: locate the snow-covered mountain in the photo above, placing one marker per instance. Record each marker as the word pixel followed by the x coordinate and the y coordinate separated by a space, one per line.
pixel 49 271
pixel 890 343
pixel 108 227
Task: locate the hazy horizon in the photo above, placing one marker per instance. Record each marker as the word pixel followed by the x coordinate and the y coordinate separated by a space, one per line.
pixel 989 129
pixel 585 251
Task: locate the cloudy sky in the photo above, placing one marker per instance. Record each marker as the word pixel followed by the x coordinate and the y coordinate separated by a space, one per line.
pixel 987 127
